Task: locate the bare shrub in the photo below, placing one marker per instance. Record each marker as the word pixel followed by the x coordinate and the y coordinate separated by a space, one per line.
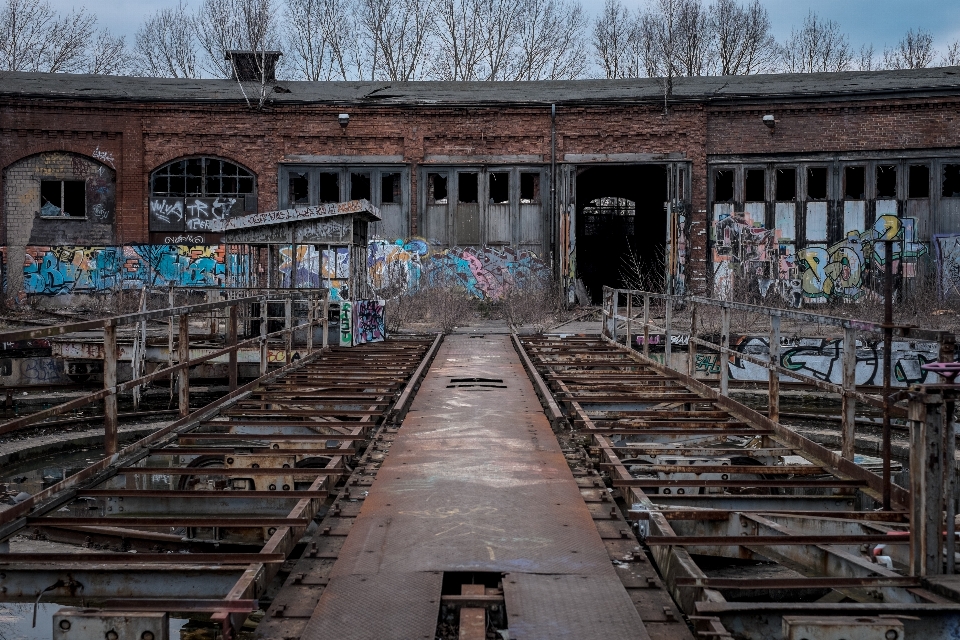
pixel 537 302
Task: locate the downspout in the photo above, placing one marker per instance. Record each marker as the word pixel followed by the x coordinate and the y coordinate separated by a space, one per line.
pixel 554 223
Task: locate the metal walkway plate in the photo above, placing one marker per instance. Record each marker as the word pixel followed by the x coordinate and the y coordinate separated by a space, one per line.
pixel 476 481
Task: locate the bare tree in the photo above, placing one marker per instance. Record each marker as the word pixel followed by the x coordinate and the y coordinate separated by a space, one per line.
pixel 951 57
pixel 693 38
pixel 615 41
pixel 865 61
pixel 321 39
pixel 108 55
pixel 35 38
pixel 743 42
pixel 399 33
pixel 165 45
pixel 459 52
pixel 914 51
pixel 550 41
pixel 230 25
pixel 819 46
pixel 500 20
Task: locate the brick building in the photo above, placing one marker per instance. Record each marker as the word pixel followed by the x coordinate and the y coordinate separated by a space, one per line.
pixel 779 185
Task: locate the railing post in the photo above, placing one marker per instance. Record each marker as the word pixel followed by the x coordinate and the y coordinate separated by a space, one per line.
pixel 849 403
pixel 667 342
pixel 646 325
pixel 311 312
pixel 109 382
pixel 326 318
pixel 616 308
pixel 232 341
pixel 288 325
pixel 170 303
pixel 724 355
pixel 184 373
pixel 629 320
pixel 691 346
pixel 773 384
pixel 263 336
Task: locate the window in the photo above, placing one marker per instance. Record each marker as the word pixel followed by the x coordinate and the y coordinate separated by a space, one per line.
pixel 467 189
pixel 62 198
pixel 919 181
pixel 817 183
pixel 723 186
pixel 854 180
pixel 329 187
pixel 499 188
pixel 359 186
pixel 529 188
pixel 786 185
pixel 436 188
pixel 201 177
pixel 753 186
pixel 886 181
pixel 299 189
pixel 951 181
pixel 390 188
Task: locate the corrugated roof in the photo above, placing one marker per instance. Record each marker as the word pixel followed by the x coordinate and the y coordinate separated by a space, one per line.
pixel 940 80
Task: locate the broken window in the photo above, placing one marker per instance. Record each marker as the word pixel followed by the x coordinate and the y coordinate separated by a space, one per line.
pixel 201 177
pixel 817 183
pixel 853 183
pixel 299 189
pixel 63 198
pixel 919 181
pixel 499 188
pixel 786 185
pixel 467 190
pixel 359 186
pixel 329 187
pixel 951 181
pixel 436 188
pixel 886 181
pixel 754 186
pixel 529 188
pixel 390 187
pixel 723 186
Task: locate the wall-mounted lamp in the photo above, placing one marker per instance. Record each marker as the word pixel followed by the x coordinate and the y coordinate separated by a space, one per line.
pixel 344 119
pixel 769 120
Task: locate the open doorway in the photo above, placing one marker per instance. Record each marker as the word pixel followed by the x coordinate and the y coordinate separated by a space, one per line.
pixel 621 227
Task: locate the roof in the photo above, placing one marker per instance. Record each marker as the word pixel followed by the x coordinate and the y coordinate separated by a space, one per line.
pixel 709 89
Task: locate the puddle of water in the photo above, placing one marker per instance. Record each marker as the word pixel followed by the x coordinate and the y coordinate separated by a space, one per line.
pixel 16 620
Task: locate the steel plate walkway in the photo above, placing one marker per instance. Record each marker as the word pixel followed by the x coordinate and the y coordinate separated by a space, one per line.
pixel 475 482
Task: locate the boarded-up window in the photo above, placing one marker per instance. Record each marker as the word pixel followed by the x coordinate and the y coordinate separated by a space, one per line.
pixel 467 189
pixel 786 185
pixel 853 183
pixel 754 186
pixel 919 181
pixel 817 183
pixel 951 181
pixel 886 181
pixel 499 188
pixel 63 198
pixel 723 186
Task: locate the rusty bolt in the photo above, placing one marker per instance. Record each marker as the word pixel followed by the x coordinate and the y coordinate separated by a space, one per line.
pixel 65 625
pixel 286 465
pixel 891 634
pixel 229 460
pixel 254 466
pixel 146 635
pixel 286 487
pixel 271 531
pixel 273 487
pixel 112 635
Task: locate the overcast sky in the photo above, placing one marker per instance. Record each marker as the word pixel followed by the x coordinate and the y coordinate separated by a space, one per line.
pixel 881 22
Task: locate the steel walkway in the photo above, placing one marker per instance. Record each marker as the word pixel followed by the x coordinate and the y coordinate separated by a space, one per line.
pixel 475 484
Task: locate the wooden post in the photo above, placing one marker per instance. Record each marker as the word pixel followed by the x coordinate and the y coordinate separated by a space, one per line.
pixel 326 318
pixel 691 347
pixel 950 482
pixel 629 339
pixel 232 341
pixel 615 310
pixel 288 325
pixel 311 312
pixel 724 356
pixel 667 342
pixel 849 403
pixel 109 382
pixel 170 303
pixel 184 374
pixel 263 337
pixel 925 415
pixel 646 325
pixel 773 384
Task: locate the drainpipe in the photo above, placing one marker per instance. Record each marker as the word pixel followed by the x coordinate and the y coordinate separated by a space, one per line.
pixel 554 223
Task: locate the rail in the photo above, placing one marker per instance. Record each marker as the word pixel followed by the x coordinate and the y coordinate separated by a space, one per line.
pixel 612 320
pixel 222 314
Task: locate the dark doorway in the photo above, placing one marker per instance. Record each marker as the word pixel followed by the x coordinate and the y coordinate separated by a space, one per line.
pixel 621 227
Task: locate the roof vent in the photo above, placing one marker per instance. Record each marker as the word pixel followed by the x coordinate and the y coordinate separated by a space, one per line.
pixel 253 66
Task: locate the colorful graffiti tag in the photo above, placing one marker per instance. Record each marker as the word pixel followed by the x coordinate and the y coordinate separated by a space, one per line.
pixel 323 268
pixel 369 321
pixel 346 324
pixel 745 251
pixel 948 264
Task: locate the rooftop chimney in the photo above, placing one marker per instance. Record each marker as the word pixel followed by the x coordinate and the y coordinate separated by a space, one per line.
pixel 247 65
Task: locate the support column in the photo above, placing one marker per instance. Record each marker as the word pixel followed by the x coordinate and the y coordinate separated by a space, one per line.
pixel 184 374
pixel 849 409
pixel 232 342
pixel 110 381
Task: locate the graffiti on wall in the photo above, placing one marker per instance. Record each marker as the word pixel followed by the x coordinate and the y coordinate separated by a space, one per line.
pixel 948 264
pixel 745 252
pixel 346 324
pixel 369 322
pixel 324 268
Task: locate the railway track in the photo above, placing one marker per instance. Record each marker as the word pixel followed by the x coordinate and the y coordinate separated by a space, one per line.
pixel 747 521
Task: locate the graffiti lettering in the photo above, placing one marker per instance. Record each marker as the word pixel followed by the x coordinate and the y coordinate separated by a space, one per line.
pixel 103 156
pixel 346 324
pixel 369 324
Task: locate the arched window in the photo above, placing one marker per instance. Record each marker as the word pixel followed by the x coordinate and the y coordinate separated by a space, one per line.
pixel 189 195
pixel 203 178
